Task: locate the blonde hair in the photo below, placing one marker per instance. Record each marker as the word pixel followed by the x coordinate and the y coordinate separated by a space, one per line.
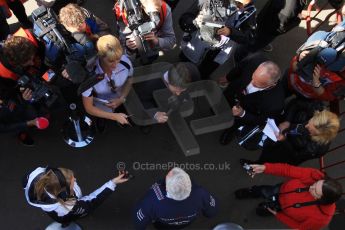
pixel 109 46
pixel 151 5
pixel 50 183
pixel 72 15
pixel 327 125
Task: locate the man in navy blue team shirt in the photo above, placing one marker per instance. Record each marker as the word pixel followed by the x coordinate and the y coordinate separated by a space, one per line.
pixel 173 203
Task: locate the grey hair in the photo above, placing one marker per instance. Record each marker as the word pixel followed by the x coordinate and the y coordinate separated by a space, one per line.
pixel 179 75
pixel 271 70
pixel 178 184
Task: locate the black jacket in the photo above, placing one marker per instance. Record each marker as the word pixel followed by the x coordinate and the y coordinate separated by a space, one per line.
pixel 245 33
pixel 298 145
pixel 279 16
pixel 260 105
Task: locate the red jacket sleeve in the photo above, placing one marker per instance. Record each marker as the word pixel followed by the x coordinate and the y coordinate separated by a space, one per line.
pixel 306 175
pixel 309 224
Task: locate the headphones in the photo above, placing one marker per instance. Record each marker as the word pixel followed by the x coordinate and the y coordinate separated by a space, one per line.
pixel 65 193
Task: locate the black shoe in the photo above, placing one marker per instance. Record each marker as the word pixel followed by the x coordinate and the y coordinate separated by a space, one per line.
pixel 245 193
pixel 145 129
pixel 246 161
pixel 25 139
pixel 227 136
pixel 261 210
pixel 100 125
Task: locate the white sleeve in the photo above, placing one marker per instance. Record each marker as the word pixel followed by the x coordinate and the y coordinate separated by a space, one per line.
pixel 87 93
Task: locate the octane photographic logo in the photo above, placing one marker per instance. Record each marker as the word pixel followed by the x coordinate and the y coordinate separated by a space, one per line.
pixel 121 166
pixel 166 166
pixel 180 107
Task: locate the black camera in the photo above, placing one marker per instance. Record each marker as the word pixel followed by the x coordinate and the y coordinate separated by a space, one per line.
pixel 40 91
pixel 272 203
pixel 140 26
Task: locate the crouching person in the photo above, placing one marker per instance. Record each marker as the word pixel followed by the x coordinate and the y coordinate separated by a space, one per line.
pixel 174 203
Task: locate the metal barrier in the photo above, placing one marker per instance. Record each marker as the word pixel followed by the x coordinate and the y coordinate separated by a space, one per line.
pixel 309 19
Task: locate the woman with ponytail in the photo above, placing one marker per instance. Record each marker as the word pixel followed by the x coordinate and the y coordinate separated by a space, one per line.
pixel 57 193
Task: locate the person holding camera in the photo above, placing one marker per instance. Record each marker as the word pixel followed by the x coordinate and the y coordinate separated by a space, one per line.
pixel 209 45
pixel 306 201
pixel 108 94
pixel 174 203
pixel 56 192
pixel 317 71
pixel 145 26
pixel 305 134
pixel 21 54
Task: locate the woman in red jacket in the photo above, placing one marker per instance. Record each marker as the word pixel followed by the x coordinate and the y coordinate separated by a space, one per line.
pixel 305 202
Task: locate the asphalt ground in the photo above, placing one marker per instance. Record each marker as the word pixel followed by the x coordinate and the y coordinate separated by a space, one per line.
pixel 146 156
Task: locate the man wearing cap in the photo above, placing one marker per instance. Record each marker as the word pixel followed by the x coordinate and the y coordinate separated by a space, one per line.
pixel 174 203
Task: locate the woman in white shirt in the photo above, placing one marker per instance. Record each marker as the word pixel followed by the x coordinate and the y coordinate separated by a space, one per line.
pixel 103 98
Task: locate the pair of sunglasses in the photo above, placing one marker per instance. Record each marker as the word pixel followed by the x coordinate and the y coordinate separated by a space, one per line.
pixel 112 86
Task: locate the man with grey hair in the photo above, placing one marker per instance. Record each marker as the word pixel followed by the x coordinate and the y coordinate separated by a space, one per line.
pixel 174 203
pixel 255 93
pixel 176 79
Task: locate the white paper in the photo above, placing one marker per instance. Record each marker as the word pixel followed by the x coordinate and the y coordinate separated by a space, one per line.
pixel 271 129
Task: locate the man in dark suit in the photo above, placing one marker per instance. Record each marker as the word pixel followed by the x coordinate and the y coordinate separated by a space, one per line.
pixel 255 93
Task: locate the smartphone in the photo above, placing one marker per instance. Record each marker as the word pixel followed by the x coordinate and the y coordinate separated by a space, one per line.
pixel 248 169
pixel 127 175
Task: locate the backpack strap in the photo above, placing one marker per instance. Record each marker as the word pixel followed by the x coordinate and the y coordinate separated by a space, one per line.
pixel 125 64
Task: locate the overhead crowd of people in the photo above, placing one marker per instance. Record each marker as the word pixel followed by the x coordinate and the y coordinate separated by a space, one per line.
pixel 65 54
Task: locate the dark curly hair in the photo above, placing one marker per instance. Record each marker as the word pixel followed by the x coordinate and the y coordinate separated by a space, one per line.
pixel 18 50
pixel 331 191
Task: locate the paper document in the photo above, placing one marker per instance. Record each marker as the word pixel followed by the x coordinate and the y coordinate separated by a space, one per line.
pixel 271 129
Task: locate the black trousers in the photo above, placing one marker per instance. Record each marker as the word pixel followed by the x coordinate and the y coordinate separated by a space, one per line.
pixel 278 152
pixel 4 27
pixel 266 191
pixel 19 11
